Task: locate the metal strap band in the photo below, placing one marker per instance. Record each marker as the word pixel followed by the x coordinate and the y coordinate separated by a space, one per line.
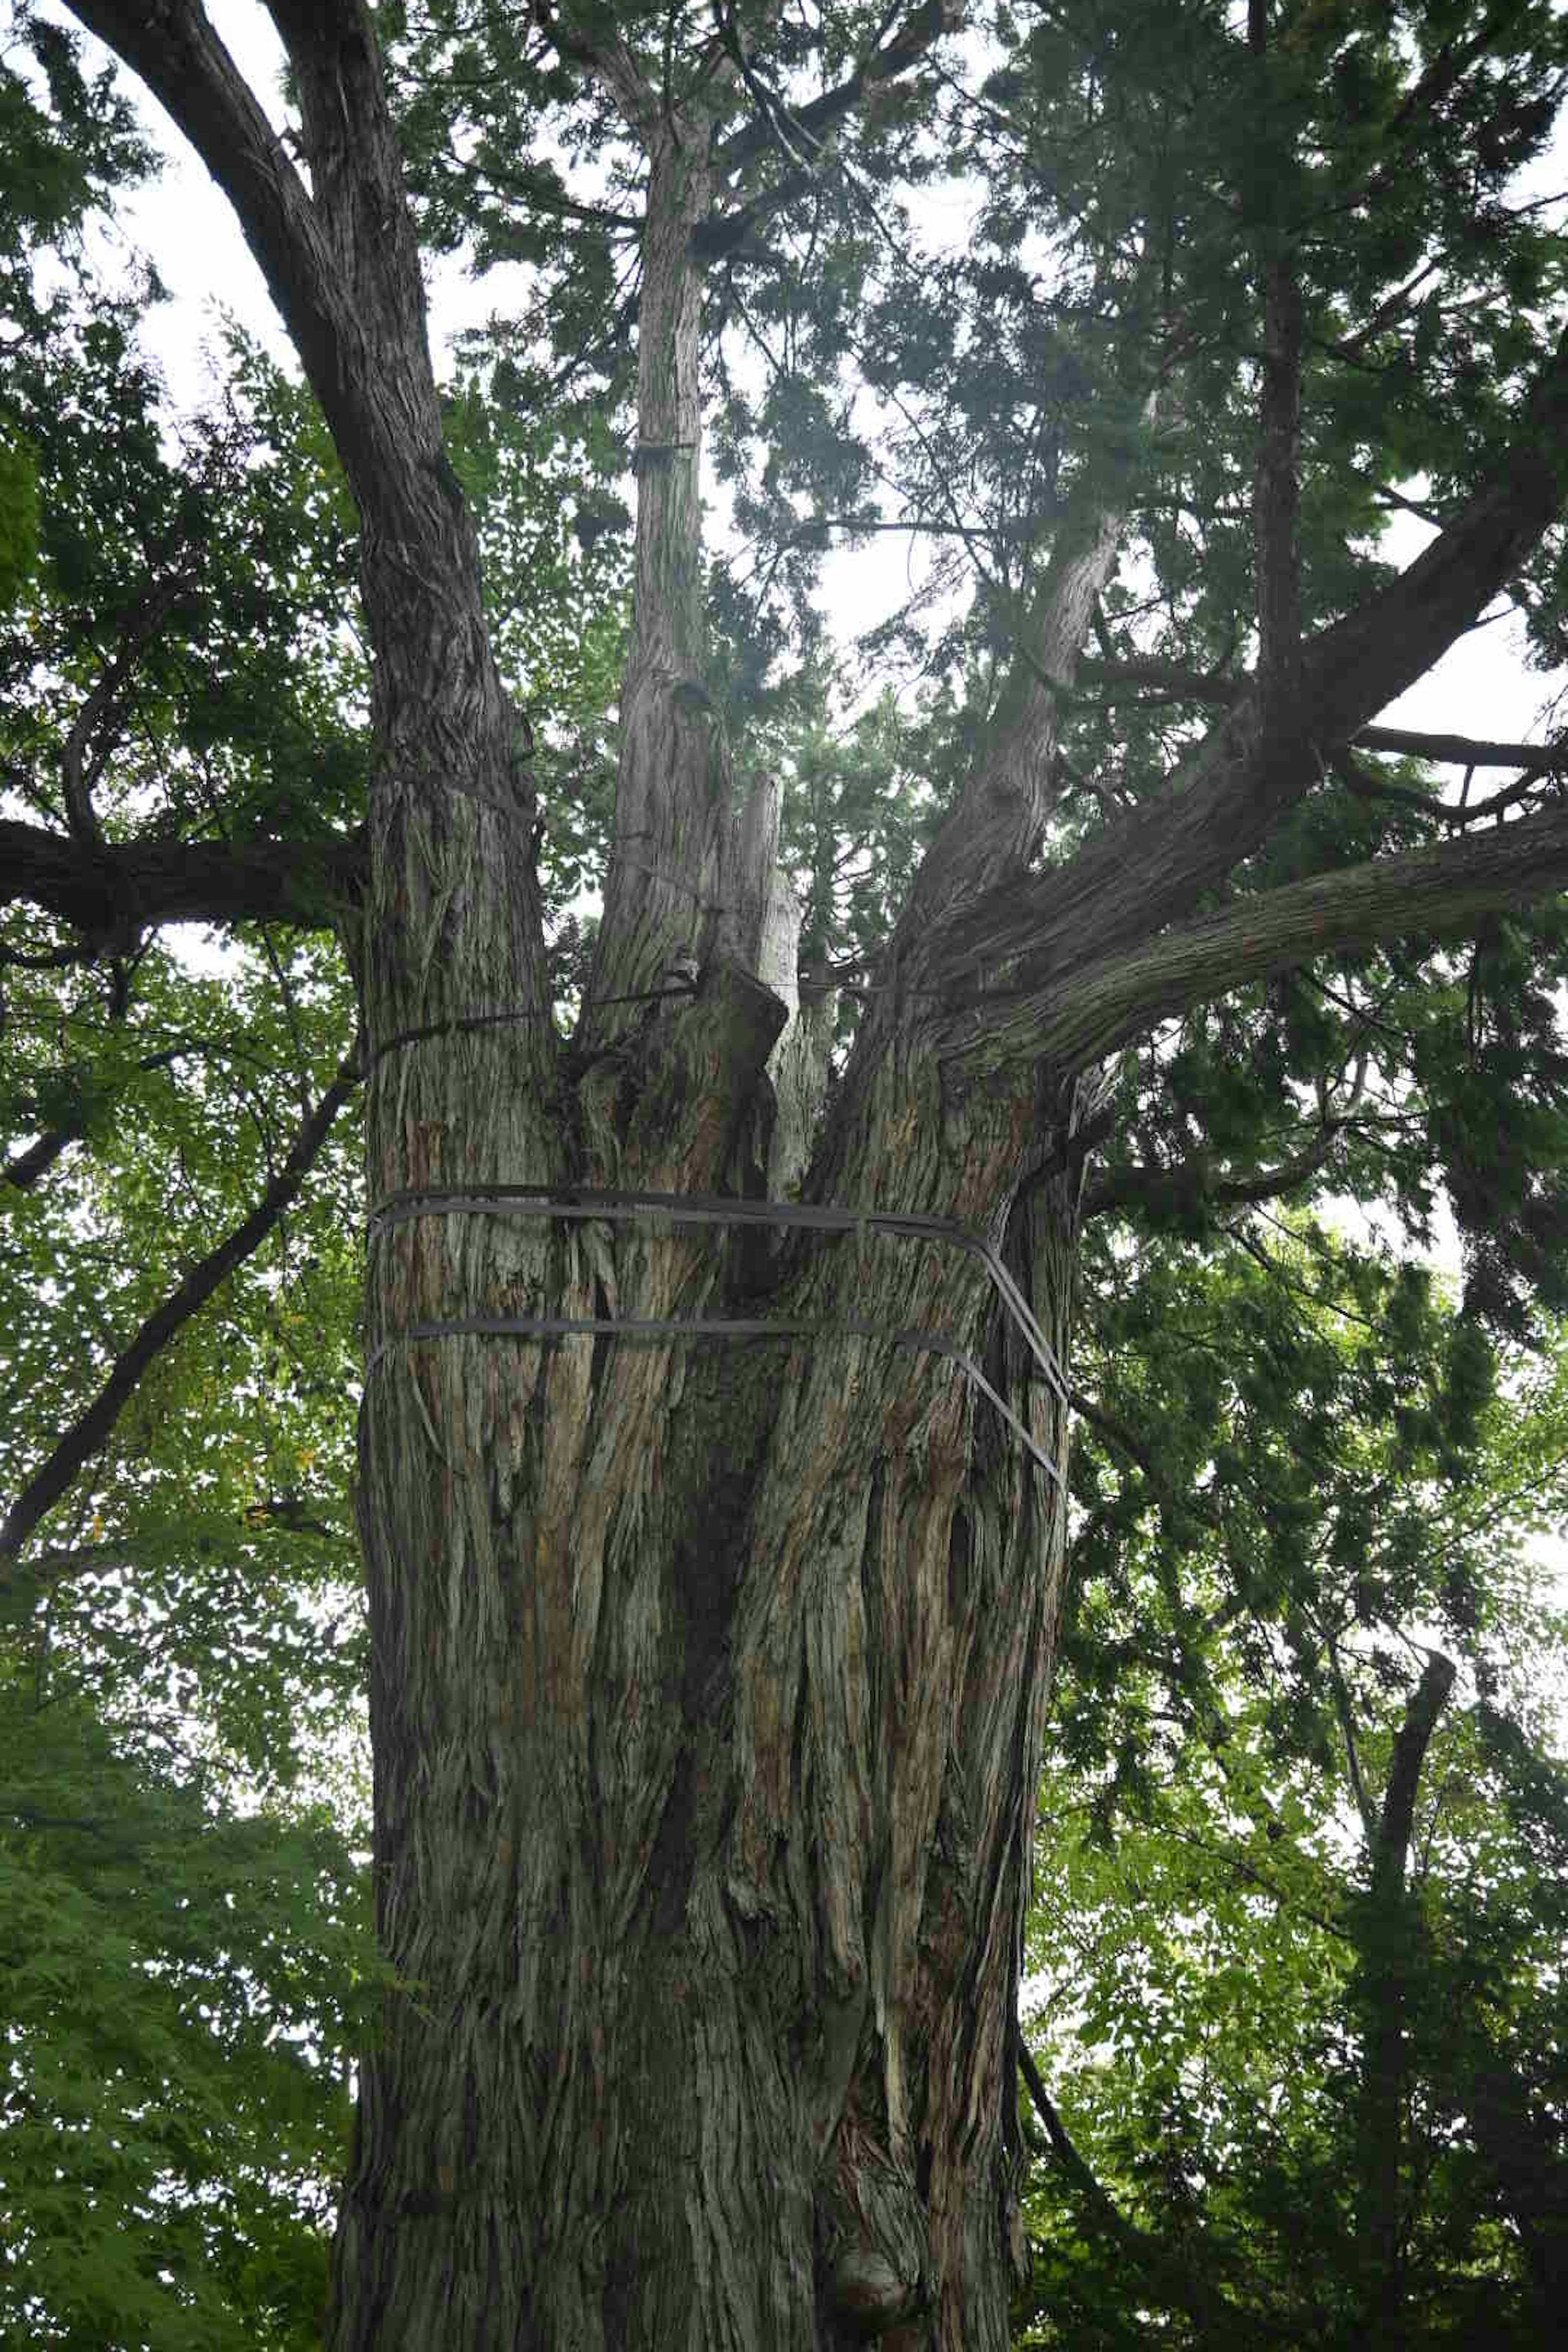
pixel 714 1326
pixel 588 1202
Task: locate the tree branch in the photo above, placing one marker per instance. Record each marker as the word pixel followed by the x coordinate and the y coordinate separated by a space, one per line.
pixel 609 61
pixel 1397 1820
pixel 999 819
pixel 1145 870
pixel 1346 1714
pixel 173 48
pixel 1194 1180
pixel 1456 815
pixel 1455 751
pixel 1079 1017
pixel 921 27
pixel 1164 2269
pixel 1172 1507
pixel 1390 1941
pixel 341 261
pixel 723 233
pixel 89 1432
pixel 29 1168
pixel 137 885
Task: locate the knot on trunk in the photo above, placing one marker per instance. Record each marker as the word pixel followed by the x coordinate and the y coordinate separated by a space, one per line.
pixel 874 2239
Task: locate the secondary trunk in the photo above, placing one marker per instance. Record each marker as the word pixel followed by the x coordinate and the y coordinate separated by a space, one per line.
pixel 1390 1953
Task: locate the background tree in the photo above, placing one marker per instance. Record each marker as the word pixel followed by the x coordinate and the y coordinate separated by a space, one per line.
pixel 708 1680
pixel 1308 1905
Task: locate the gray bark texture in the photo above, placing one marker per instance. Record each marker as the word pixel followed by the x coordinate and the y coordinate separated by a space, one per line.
pixel 710 1675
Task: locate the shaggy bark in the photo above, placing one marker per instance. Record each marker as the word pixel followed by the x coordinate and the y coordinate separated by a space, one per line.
pixel 709 1675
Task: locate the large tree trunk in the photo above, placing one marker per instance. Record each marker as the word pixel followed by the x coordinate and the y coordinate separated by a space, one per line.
pixel 708 1672
pixel 708 1697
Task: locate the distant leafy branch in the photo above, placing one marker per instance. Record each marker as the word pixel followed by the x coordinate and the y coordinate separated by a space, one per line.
pixel 90 1431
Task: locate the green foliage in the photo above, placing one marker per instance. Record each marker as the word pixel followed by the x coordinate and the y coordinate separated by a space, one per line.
pixel 19 517
pixel 185 1986
pixel 69 140
pixel 1292 1460
pixel 556 550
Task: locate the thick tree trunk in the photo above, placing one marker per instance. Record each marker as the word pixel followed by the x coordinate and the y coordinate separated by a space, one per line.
pixel 708 1701
pixel 708 1674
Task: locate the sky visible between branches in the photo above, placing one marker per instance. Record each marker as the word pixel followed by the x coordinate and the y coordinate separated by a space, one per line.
pixel 1482 686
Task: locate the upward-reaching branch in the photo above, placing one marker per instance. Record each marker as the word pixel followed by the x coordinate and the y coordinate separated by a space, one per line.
pixel 1156 863
pixel 448 831
pixel 1181 2276
pixel 1001 814
pixel 174 48
pixel 1390 1950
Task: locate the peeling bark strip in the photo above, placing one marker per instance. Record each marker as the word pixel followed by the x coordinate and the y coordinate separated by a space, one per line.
pixel 708 1692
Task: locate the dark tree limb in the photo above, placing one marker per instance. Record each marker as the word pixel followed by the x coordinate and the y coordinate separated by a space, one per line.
pixel 1456 815
pixel 724 233
pixel 1168 2275
pixel 1345 1716
pixel 30 1166
pixel 174 48
pixel 1414 743
pixel 1192 1181
pixel 82 758
pixel 30 1818
pixel 148 882
pixel 1149 868
pixel 1390 1939
pixel 1173 1508
pixel 892 57
pixel 89 1432
pixel 1397 1820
